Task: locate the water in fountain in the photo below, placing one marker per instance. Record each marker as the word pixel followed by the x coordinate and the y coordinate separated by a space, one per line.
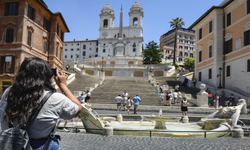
pixel 160 113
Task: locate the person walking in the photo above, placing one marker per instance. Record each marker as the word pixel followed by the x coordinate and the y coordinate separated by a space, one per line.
pixel 136 100
pixel 194 81
pixel 176 88
pixel 82 98
pixel 179 97
pixel 118 100
pixel 216 101
pixel 170 98
pixel 125 97
pixel 129 103
pixel 175 94
pixel 167 99
pixel 210 98
pixel 157 88
pixel 87 98
pixel 32 83
pixel 161 88
pixel 161 99
pixel 184 106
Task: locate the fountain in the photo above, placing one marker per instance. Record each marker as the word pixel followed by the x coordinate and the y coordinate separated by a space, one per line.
pixel 223 120
pixel 161 120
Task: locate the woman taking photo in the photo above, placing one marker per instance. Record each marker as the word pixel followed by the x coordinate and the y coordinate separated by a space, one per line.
pixel 32 83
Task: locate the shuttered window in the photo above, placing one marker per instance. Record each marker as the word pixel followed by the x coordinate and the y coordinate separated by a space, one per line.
pixel 228 46
pixel 11 9
pixel 31 13
pixel 9 35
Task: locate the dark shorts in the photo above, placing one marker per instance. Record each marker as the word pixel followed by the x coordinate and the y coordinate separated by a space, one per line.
pixel 184 109
pixel 118 104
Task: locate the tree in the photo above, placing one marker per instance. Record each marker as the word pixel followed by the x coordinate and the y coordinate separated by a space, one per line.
pixel 176 23
pixel 189 63
pixel 151 52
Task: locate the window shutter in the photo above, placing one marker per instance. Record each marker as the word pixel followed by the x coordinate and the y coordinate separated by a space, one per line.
pixel 16 8
pixel 13 64
pixel 33 14
pixel 245 38
pixel 2 64
pixel 248 6
pixel 7 7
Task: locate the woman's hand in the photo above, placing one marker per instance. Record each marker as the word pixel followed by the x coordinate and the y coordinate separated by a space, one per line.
pixel 61 79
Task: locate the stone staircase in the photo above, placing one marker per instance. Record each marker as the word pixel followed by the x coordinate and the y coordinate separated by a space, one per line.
pixel 112 86
pixel 172 82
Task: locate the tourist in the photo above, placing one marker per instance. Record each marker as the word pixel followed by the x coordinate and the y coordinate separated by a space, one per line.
pixel 125 97
pixel 129 103
pixel 157 88
pixel 136 100
pixel 210 98
pixel 194 81
pixel 82 98
pixel 161 88
pixel 175 95
pixel 32 83
pixel 216 101
pixel 176 88
pixel 184 106
pixel 177 76
pixel 118 100
pixel 179 97
pixel 230 100
pixel 87 98
pixel 170 98
pixel 167 99
pixel 64 126
pixel 161 99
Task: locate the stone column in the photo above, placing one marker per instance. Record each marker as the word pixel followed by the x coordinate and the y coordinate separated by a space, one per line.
pixel 107 130
pixel 185 119
pixel 202 97
pixel 119 118
pixel 237 132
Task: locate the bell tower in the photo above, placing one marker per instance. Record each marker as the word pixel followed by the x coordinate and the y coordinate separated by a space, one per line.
pixel 107 17
pixel 135 15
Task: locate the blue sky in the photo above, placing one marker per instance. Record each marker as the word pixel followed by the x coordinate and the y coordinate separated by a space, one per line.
pixel 82 16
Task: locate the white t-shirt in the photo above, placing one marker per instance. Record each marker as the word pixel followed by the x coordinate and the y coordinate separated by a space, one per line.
pixel 118 99
pixel 175 94
pixel 57 106
pixel 82 98
pixel 125 96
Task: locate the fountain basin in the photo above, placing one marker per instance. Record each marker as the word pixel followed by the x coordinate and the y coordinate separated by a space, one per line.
pixel 160 122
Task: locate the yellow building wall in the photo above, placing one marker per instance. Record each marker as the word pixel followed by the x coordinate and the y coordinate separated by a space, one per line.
pixel 108 73
pixel 238 12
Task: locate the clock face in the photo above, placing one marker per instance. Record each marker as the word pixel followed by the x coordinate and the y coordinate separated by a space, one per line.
pixel 135 33
pixel 105 34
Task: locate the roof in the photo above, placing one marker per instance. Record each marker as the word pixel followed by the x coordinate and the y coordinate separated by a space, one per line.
pixel 209 11
pixel 80 41
pixel 181 29
pixel 42 3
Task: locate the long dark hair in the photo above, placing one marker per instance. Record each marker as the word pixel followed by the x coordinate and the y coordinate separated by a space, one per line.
pixel 33 77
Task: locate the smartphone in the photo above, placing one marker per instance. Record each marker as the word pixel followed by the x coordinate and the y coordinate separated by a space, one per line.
pixel 54 71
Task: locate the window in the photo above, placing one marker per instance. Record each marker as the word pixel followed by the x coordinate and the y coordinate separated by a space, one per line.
pixel 191 55
pixel 228 71
pixel 210 51
pixel 200 56
pixel 71 56
pixel 90 48
pixel 186 54
pixel 228 46
pixel 65 44
pixel 62 35
pixel 77 56
pixel 228 19
pixel 191 48
pixel 248 65
pixel 77 43
pixel 77 49
pixel 180 54
pixel 186 47
pixel 57 51
pixel 186 42
pixel 46 24
pixel 31 13
pixel 199 76
pixel 135 21
pixel 105 23
pixel 238 43
pixel 248 6
pixel 9 35
pixel 210 26
pixel 7 64
pixel 90 43
pixel 200 33
pixel 134 47
pixel 96 50
pixel 247 38
pixel 83 53
pixel 209 73
pixel 84 46
pixel 96 43
pixel 104 50
pixel 180 47
pixel 181 41
pixel 29 38
pixel 66 50
pixel 11 9
pixel 72 49
pixel 45 45
pixel 65 56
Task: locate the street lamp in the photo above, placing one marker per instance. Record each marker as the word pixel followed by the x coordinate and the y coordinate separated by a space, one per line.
pixel 102 65
pixel 219 75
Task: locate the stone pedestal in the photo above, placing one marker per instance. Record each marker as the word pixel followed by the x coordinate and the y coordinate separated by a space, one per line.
pixel 202 97
pixel 237 132
pixel 119 118
pixel 107 131
pixel 185 119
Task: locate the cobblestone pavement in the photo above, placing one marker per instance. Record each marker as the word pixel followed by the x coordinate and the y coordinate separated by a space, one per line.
pixel 74 141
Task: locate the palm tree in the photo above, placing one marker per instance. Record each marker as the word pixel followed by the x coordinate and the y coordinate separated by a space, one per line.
pixel 176 24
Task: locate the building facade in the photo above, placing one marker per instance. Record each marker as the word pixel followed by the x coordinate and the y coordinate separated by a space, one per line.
pixel 28 29
pixel 223 46
pixel 79 50
pixel 185 44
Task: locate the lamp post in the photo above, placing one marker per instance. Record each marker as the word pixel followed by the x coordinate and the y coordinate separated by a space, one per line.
pixel 102 65
pixel 220 69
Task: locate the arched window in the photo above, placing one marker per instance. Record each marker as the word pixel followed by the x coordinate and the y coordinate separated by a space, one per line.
pixel 135 21
pixel 105 23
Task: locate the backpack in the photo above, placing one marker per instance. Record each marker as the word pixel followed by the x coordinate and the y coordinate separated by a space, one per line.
pixel 16 138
